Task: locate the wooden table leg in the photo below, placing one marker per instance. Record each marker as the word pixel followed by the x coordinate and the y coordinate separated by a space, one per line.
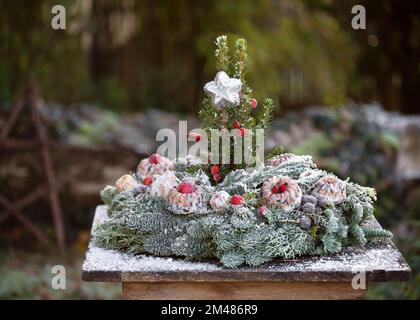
pixel 241 290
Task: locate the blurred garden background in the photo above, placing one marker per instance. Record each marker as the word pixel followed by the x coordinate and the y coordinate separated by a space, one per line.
pixel 123 69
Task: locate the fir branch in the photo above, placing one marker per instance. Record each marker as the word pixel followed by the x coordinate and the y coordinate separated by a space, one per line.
pixel 288 242
pixel 232 259
pixel 375 233
pixel 359 236
pixel 159 244
pixel 115 236
pixel 331 243
pixel 108 194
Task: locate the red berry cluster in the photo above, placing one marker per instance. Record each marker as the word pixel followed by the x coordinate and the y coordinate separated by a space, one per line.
pixel 236 125
pixel 279 188
pixel 215 171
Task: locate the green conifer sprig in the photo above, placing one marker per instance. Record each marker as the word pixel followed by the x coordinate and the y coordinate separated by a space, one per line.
pixel 241 60
pixel 222 54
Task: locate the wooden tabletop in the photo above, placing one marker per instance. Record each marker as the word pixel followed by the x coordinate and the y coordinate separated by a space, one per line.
pixel 382 262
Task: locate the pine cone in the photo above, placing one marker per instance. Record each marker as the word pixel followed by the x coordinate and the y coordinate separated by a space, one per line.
pixel 309 199
pixel 140 189
pixel 331 188
pixel 279 159
pixel 274 194
pixel 305 222
pixel 308 208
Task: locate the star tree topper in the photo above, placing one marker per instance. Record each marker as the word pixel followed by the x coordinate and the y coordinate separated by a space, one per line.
pixel 224 91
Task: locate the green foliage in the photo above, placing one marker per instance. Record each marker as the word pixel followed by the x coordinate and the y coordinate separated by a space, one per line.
pixel 241 60
pixel 108 194
pixel 265 115
pixel 277 150
pixel 18 284
pixel 26 275
pixel 117 237
pixel 105 69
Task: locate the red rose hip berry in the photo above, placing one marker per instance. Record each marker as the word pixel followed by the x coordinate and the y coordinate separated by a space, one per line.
pixel 253 103
pixel 154 158
pixel 236 200
pixel 236 125
pixel 186 187
pixel 215 169
pixel 148 181
pixel 282 187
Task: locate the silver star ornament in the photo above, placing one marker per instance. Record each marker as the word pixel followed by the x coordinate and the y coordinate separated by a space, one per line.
pixel 224 91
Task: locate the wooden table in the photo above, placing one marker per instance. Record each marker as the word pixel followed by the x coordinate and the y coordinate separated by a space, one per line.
pixel 149 277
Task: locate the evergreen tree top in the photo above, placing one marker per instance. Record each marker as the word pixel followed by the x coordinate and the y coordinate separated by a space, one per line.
pixel 220 109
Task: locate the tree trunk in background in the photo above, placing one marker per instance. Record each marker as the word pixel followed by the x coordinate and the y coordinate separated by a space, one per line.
pixel 101 52
pixel 396 26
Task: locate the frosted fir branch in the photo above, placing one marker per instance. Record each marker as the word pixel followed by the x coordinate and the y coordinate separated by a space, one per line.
pixel 331 243
pixel 108 194
pixel 288 242
pixel 233 177
pixel 376 233
pixel 192 248
pixel 159 244
pixel 256 258
pixel 232 259
pixel 292 168
pixel 256 238
pixel 307 183
pixel 358 235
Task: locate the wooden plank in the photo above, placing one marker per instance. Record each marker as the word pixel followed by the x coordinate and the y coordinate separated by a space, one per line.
pixel 384 262
pixel 250 290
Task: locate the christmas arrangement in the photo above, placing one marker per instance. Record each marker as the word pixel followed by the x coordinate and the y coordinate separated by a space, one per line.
pixel 285 208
